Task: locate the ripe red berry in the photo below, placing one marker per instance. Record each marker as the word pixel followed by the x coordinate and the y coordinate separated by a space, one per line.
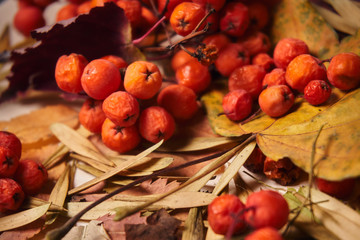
pixel 91 115
pixel 265 233
pixel 343 71
pixel 234 19
pixel 340 189
pixel 276 100
pixel 11 141
pixel 11 195
pixel 28 18
pixel 266 208
pixel 287 49
pixel 317 92
pixel 224 212
pixel 31 175
pixel 8 162
pixel 237 104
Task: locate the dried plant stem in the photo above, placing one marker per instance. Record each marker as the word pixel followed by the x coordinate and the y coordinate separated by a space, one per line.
pixel 140 39
pixel 59 233
pixel 307 201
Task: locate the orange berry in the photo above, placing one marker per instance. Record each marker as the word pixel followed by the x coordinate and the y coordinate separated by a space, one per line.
pixel 179 101
pixel 276 100
pixel 181 57
pixel 259 15
pixel 185 17
pixel 219 40
pixel 193 75
pixel 142 79
pixel 84 7
pixel 27 19
pixel 237 104
pixel 256 42
pixel 234 19
pixel 121 108
pixel 264 233
pixel 232 56
pixel 155 124
pixel 263 60
pixel 11 195
pixel 100 78
pixel 118 61
pixel 287 49
pixel 249 78
pixel 275 77
pixel 68 72
pixel 302 69
pixel 68 11
pixel 91 115
pixel 31 175
pixel 120 139
pixel 344 71
pixel 132 9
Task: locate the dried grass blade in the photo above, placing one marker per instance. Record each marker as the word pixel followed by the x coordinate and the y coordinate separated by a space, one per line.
pixel 36 202
pixel 60 152
pixel 194 227
pixel 96 164
pixel 22 218
pixel 234 167
pixel 197 143
pixel 78 143
pixel 154 164
pixel 116 170
pixel 175 201
pixel 58 194
pixel 193 184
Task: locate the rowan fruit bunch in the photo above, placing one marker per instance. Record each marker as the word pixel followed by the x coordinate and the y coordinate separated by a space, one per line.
pixel 18 177
pixel 264 211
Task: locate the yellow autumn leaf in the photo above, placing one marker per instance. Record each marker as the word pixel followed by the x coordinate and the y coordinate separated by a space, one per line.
pixel 299 19
pixel 337 154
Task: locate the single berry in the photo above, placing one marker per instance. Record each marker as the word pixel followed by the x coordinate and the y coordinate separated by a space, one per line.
pixel 100 78
pixel 276 100
pixel 120 139
pixel 302 69
pixel 341 189
pixel 343 71
pixel 237 104
pixel 155 124
pixel 11 141
pixel 121 108
pixel 11 195
pixel 31 175
pixel 91 115
pixel 180 101
pixel 194 75
pixel 234 19
pixel 317 92
pixel 9 162
pixel 287 49
pixel 275 77
pixel 226 213
pixel 266 208
pixel 231 56
pixel 265 233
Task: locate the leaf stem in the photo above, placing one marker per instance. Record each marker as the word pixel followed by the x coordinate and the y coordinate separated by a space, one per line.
pixel 140 39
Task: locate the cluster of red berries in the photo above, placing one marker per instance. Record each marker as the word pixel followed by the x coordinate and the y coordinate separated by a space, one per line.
pixel 292 70
pixel 17 178
pixel 265 211
pixel 117 106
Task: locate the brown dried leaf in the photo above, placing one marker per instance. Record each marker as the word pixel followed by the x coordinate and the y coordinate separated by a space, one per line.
pixel 160 225
pixel 23 233
pixel 33 128
pixel 116 229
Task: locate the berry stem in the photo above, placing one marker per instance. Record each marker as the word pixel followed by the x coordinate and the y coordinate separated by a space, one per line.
pixel 140 39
